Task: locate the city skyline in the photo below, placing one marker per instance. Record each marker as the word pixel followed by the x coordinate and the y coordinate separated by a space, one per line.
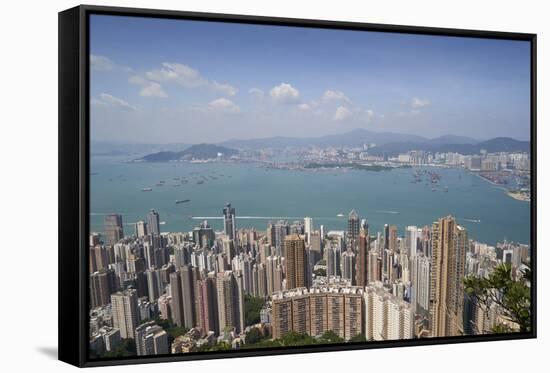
pixel 396 287
pixel 327 81
pixel 408 206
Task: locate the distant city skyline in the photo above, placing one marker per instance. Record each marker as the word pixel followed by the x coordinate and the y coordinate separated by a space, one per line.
pixel 168 81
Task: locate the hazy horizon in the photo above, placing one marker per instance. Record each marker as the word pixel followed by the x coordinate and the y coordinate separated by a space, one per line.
pixel 162 81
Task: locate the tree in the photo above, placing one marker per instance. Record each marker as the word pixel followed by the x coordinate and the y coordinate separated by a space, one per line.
pixel 513 296
pixel 358 338
pixel 254 336
pixel 330 337
pixel 127 347
pixel 252 307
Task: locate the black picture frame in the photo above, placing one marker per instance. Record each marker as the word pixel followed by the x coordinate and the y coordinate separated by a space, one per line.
pixel 73 166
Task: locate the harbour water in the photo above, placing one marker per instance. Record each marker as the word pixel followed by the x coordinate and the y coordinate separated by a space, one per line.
pixel 259 195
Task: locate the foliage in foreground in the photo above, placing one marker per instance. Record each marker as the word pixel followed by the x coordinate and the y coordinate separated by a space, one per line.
pixel 513 296
pixel 252 307
pixel 291 339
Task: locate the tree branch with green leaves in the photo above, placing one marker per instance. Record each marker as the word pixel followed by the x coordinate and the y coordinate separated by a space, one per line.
pixel 512 296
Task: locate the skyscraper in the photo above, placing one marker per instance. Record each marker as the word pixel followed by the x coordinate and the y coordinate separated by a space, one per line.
pixel 348 266
pixel 308 228
pixel 412 235
pixel 449 242
pixel 113 228
pixel 207 305
pixel 386 317
pixel 177 298
pixel 361 262
pixel 151 339
pixel 282 229
pixel 189 276
pixel 229 226
pixel 392 238
pixel 353 227
pixel 125 312
pixel 273 279
pixel 141 229
pixel 153 223
pixel 295 262
pixel 102 285
pixel 230 302
pixel 421 284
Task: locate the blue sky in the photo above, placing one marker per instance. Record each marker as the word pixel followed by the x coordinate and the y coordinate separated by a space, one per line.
pixel 161 81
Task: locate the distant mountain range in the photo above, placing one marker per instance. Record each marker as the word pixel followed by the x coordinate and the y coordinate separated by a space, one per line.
pixel 352 138
pixel 107 148
pixel 498 144
pixel 388 142
pixel 199 151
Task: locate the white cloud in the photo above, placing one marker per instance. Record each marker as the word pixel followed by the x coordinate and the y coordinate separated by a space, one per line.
pixel 224 105
pixel 148 88
pixel 224 89
pixel 330 95
pixel 417 103
pixel 101 63
pixel 342 113
pixel 106 99
pixel 257 92
pixel 304 107
pixel 187 77
pixel 152 89
pixel 284 93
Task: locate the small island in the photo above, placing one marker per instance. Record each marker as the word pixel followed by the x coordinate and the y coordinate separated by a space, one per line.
pixel 201 152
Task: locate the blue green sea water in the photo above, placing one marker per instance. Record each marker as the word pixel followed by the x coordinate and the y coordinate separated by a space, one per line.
pixel 260 195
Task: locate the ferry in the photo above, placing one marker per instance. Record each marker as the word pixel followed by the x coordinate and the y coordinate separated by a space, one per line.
pixel 340 215
pixel 147 189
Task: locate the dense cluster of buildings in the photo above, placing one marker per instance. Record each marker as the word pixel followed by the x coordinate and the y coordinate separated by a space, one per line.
pixel 356 283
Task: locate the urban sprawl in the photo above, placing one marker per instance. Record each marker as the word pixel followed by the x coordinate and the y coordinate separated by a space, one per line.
pixel 156 293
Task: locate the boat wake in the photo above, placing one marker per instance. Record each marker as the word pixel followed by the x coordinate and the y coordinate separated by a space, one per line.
pixel 473 220
pixel 387 211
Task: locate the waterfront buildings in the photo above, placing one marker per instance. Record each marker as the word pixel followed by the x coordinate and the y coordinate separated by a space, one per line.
pixel 153 223
pixel 114 230
pixel 229 225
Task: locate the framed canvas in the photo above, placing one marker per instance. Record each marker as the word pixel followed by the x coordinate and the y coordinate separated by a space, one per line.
pixel 234 186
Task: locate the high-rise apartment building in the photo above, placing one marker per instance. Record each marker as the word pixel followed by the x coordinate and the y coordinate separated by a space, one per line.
pixel 353 227
pixel 141 229
pixel 151 339
pixel 308 228
pixel 114 230
pixel 153 223
pixel 102 284
pixel 348 266
pixel 317 310
pixel 125 312
pixel 361 261
pixel 295 262
pixel 449 242
pixel 421 276
pixel 207 306
pixel 189 276
pixel 386 316
pixel 229 225
pixel 177 301
pixel 230 296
